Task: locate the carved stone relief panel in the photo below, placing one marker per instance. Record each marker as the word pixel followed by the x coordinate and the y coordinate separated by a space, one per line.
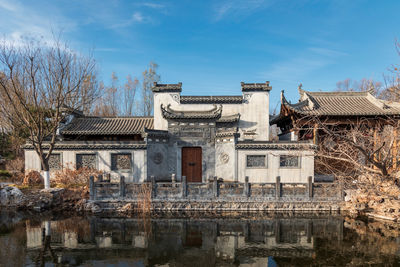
pixel 157 158
pixel 175 97
pixel 224 158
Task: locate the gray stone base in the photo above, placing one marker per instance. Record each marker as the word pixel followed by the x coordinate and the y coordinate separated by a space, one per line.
pixel 221 206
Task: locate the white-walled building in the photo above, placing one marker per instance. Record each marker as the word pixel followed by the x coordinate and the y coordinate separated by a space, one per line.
pixel 194 136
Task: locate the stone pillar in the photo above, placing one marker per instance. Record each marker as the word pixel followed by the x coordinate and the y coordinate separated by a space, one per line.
pixel 215 186
pixel 153 186
pixel 310 187
pixel 92 189
pixel 184 186
pixel 122 186
pixel 309 231
pixel 278 187
pixel 246 188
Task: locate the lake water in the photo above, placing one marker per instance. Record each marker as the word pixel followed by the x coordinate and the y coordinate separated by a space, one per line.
pixel 268 240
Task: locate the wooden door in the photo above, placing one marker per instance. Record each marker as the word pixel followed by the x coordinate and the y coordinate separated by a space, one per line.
pixel 191 164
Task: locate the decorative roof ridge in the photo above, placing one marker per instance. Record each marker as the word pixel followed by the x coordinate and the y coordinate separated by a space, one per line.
pixel 297 105
pixel 212 96
pixel 167 87
pixel 215 109
pixel 337 93
pixel 229 118
pixel 118 117
pixel 169 113
pixel 256 86
pixel 220 99
pixel 227 133
pixel 275 145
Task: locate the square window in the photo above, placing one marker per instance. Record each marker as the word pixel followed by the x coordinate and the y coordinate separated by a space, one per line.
pixel 55 162
pixel 86 161
pixel 256 161
pixel 286 161
pixel 121 162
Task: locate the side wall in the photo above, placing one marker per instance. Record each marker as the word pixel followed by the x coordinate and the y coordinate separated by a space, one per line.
pixel 269 173
pixel 68 157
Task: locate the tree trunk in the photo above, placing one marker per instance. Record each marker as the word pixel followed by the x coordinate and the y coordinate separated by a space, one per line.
pixel 46 172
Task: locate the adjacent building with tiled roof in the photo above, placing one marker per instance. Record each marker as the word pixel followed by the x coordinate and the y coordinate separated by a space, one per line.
pixel 341 108
pixel 107 126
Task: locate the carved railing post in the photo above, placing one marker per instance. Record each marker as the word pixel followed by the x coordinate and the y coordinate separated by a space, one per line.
pixel 122 186
pixel 184 187
pixel 153 187
pixel 215 186
pixel 92 188
pixel 278 187
pixel 100 178
pixel 246 187
pixel 310 187
pixel 173 179
pixel 341 188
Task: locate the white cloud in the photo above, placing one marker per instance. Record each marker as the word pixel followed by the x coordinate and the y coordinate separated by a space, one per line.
pixel 19 21
pixel 152 5
pixel 4 4
pixel 238 7
pixel 138 17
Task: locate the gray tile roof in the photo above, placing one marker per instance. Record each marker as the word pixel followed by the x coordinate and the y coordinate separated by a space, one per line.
pixel 305 145
pixel 108 126
pixel 84 145
pixel 158 87
pixel 230 118
pixel 256 86
pixel 169 113
pixel 235 99
pixel 341 104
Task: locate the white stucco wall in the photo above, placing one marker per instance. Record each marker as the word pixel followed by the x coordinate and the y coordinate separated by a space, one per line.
pixel 137 174
pixel 272 170
pixel 225 160
pixel 254 111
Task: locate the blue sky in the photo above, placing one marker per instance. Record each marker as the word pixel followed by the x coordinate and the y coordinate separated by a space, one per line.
pixel 211 46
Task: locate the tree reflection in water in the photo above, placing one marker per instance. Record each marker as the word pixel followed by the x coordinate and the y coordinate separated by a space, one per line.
pixel 278 241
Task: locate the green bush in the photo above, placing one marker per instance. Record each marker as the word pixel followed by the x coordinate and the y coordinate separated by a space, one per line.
pixel 4 173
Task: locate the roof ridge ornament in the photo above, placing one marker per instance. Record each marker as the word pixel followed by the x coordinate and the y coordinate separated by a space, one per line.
pixel 246 87
pixel 300 88
pixel 167 87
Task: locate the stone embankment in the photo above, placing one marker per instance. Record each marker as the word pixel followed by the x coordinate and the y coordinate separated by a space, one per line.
pixel 39 200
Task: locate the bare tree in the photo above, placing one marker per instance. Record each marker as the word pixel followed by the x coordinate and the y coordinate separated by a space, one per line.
pixel 38 81
pixel 351 148
pixel 149 77
pixel 359 86
pixel 107 103
pixel 129 95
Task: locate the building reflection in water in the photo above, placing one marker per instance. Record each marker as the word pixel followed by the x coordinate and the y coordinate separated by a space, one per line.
pixel 200 242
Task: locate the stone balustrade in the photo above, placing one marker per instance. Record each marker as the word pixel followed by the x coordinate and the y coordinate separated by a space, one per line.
pixel 215 190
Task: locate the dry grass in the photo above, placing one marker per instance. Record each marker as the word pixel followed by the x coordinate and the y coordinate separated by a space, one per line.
pixel 71 177
pixel 32 178
pixel 144 203
pixel 16 168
